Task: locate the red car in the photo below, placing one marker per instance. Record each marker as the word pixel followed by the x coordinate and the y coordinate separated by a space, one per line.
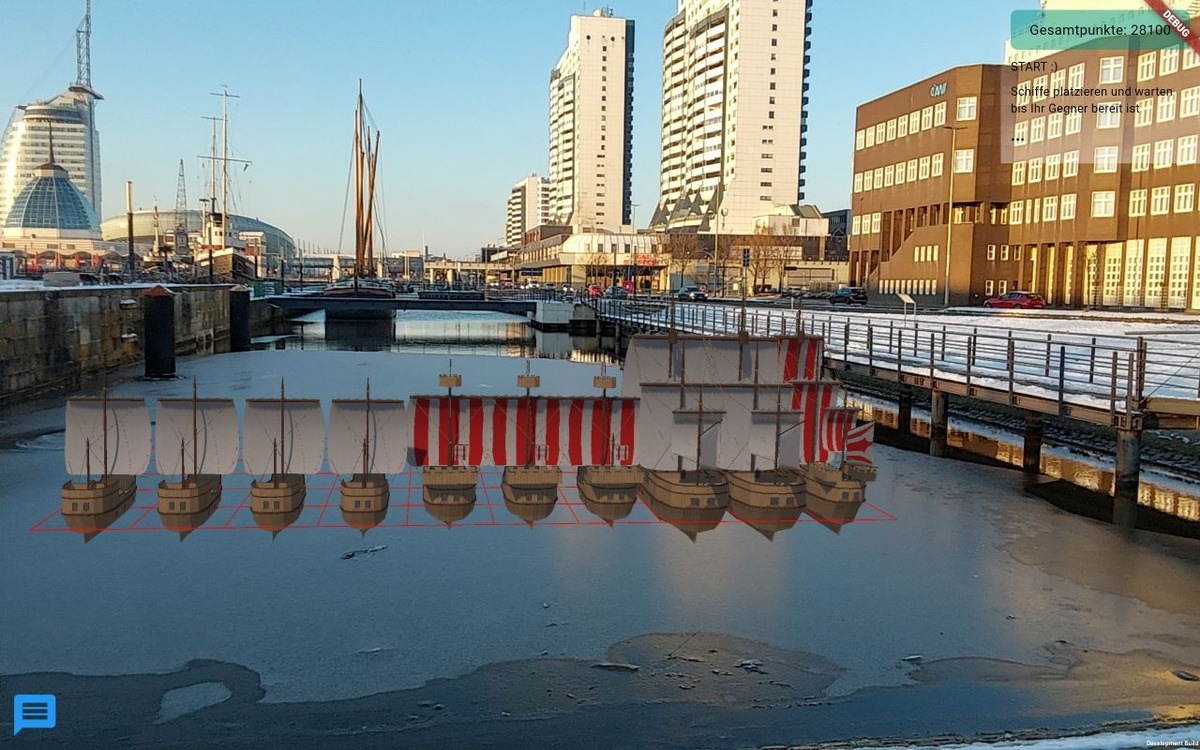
pixel 1017 301
pixel 594 290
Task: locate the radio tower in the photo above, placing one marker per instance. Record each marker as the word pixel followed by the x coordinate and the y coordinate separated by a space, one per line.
pixel 181 209
pixel 83 49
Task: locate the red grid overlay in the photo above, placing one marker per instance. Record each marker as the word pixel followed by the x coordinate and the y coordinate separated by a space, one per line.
pixel 406 509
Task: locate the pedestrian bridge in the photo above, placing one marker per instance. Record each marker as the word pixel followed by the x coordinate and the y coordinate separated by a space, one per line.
pixel 481 302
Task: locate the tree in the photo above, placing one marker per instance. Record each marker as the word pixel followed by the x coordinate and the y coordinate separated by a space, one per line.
pixel 599 267
pixel 764 256
pixel 684 251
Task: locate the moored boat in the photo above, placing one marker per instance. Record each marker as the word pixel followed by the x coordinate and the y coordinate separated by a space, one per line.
pixel 113 436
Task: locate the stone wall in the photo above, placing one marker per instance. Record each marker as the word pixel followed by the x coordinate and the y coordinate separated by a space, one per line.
pixel 56 339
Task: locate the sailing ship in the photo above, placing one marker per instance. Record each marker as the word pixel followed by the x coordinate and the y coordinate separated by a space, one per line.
pixel 449 505
pixel 186 522
pixel 368 440
pixel 108 444
pixel 221 250
pixel 209 427
pixel 834 495
pixel 609 488
pixel 283 438
pixel 365 284
pixel 683 472
pixel 773 441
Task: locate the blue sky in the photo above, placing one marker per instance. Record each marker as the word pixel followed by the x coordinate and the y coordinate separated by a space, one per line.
pixel 457 88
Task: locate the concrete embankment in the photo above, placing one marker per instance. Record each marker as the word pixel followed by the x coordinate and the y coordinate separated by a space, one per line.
pixel 56 339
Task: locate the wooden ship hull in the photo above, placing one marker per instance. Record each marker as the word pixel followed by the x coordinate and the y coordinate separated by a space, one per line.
pixel 281 494
pixel 692 521
pixel 97 496
pixel 186 522
pixel 450 505
pixel 688 489
pixel 364 521
pixel 450 478
pixel 91 524
pixel 609 492
pixel 364 493
pixel 192 495
pixel 773 488
pixel 532 478
pixel 530 504
pixel 833 498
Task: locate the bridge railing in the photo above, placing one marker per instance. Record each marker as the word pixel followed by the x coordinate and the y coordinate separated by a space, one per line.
pixel 1112 372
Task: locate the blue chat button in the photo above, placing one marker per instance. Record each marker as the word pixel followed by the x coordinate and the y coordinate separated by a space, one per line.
pixel 34 712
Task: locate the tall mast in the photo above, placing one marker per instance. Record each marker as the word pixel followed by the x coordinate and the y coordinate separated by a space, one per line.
pixel 369 224
pixel 104 412
pixel 358 179
pixel 281 442
pixel 195 432
pixel 367 433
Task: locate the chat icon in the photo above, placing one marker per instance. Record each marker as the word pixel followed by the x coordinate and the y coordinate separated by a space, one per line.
pixel 34 712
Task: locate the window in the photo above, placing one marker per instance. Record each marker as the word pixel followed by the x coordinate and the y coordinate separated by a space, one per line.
pixel 1075 76
pixel 1106 159
pixel 1160 200
pixel 926 118
pixel 914 122
pixel 1067 207
pixel 1185 198
pixel 1190 59
pixel 902 127
pixel 858 182
pixel 1145 113
pixel 1112 69
pixel 1052 162
pixel 1039 88
pixel 1050 208
pixel 1035 170
pixel 1163 151
pixel 1074 123
pixel 1037 130
pixel 1054 125
pixel 924 171
pixel 1168 61
pixel 1004 252
pixel 1021 133
pixel 878 178
pixel 875 218
pixel 989 287
pixel 900 173
pixel 1016 213
pixel 1145 69
pixel 891 127
pixel 939 114
pixel 912 170
pixel 1186 153
pixel 1104 204
pixel 1141 158
pixel 1166 107
pixel 1189 104
pixel 991 252
pixel 1070 164
pixel 860 140
pixel 1058 78
pixel 964 160
pixel 1137 202
pixel 1109 117
pixel 855 223
pixel 870 137
pixel 967 107
pixel 889 175
pixel 1018 173
pixel 935 165
pixel 880 131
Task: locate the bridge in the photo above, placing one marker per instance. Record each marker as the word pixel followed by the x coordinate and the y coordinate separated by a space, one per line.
pixel 480 302
pixel 1128 383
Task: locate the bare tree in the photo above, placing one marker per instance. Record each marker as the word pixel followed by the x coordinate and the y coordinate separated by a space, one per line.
pixel 763 256
pixel 684 251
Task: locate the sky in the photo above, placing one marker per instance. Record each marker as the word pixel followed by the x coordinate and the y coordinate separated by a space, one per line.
pixel 458 89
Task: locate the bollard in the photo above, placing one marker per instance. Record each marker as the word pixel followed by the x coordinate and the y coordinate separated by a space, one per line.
pixel 239 319
pixel 158 329
pixel 904 409
pixel 1031 456
pixel 939 423
pixel 1127 472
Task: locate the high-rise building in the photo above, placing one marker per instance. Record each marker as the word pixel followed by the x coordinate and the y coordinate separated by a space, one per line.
pixel 528 207
pixel 735 82
pixel 591 125
pixel 71 117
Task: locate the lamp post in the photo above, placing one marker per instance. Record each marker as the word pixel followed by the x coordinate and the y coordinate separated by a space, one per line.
pixel 950 208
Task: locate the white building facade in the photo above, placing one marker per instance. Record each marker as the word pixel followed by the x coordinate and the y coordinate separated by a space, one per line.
pixel 26 145
pixel 591 125
pixel 735 82
pixel 528 207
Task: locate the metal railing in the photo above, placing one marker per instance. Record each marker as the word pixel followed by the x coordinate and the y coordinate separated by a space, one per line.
pixel 1097 371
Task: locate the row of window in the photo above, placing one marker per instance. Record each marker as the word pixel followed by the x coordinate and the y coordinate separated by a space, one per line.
pixel 926 253
pixel 1162 154
pixel 996 287
pixel 1149 111
pixel 867 224
pixel 908 286
pixel 914 169
pixel 1165 62
pixel 927 118
pixel 1159 201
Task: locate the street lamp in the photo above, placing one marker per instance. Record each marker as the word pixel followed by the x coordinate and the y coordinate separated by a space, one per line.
pixel 950 207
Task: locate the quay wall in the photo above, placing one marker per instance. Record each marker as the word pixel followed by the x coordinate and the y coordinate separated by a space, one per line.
pixel 54 340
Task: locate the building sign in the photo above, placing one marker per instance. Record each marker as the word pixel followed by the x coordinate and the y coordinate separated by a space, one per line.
pixel 937 90
pixel 644 259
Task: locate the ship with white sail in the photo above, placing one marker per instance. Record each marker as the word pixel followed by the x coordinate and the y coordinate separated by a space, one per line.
pixel 368 439
pixel 108 444
pixel 283 440
pixel 196 440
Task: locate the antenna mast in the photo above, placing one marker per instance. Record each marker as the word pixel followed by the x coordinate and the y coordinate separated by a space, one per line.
pixel 83 49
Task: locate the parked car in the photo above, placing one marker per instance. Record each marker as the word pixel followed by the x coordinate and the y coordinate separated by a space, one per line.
pixel 849 295
pixel 1017 301
pixel 691 293
pixel 616 292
